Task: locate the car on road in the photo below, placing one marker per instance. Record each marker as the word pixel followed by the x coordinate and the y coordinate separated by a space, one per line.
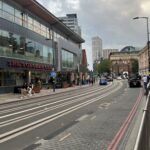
pixel 103 81
pixel 134 81
pixel 109 78
pixel 119 78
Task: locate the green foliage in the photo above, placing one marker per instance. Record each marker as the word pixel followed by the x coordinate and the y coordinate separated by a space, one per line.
pixel 104 66
pixel 135 66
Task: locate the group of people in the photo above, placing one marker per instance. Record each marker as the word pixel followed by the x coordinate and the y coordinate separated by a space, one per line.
pixel 27 89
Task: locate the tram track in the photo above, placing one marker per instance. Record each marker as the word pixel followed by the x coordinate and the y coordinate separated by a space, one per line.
pixel 47 99
pixel 17 123
pixel 38 112
pixel 35 124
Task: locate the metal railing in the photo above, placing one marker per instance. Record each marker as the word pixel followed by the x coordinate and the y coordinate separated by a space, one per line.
pixel 143 138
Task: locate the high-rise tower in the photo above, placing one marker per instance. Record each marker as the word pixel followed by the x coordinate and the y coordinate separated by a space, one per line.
pixel 96 49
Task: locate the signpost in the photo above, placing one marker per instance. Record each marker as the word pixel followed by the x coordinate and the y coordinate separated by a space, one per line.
pixel 53 75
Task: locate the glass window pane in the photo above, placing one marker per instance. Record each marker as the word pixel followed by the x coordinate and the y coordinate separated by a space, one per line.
pixel 0 8
pixel 30 23
pixel 18 13
pixel 29 48
pixel 25 20
pixel 38 50
pixel 37 27
pixel 0 12
pixel 51 55
pixel 43 30
pixel 0 4
pixel 16 43
pixel 18 21
pixel 8 16
pixel 5 38
pixel 8 8
pixel 67 59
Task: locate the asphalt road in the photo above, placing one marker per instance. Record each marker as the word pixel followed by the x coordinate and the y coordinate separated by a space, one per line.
pixel 83 119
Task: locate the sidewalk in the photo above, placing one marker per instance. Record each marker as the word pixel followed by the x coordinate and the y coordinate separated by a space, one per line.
pixel 10 97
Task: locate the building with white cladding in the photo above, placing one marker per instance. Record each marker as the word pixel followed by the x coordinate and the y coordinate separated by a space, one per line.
pixel 71 21
pixel 96 49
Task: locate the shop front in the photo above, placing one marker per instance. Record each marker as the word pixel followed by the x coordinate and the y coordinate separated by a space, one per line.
pixel 15 72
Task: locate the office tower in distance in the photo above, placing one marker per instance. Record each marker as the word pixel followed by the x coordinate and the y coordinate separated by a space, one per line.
pixel 96 49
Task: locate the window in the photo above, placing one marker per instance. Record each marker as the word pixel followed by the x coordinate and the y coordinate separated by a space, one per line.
pixel 29 46
pixel 16 43
pixel 67 59
pixel 8 8
pixel 25 20
pixel 45 53
pixel 0 8
pixel 30 23
pixel 8 12
pixel 38 50
pixel 4 38
pixel 37 27
pixel 0 4
pixel 43 30
pixel 18 17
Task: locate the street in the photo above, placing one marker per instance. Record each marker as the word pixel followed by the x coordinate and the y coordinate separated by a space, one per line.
pixel 86 118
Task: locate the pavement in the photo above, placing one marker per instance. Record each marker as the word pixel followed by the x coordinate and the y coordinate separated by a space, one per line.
pixel 10 97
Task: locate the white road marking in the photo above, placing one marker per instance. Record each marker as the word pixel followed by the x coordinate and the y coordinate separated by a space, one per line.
pixel 93 117
pixel 82 117
pixel 104 105
pixel 63 138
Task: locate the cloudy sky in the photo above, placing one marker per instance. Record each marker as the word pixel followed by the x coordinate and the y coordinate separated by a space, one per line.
pixel 111 20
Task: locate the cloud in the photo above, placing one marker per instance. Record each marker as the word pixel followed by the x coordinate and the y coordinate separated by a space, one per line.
pixel 145 5
pixel 74 4
pixel 111 20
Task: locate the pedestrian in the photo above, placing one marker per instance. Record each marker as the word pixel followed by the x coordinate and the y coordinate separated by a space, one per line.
pixel 24 90
pixel 30 89
pixel 54 83
pixel 148 87
pixel 145 81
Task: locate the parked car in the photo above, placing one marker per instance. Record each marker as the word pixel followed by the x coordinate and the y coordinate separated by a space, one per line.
pixel 134 81
pixel 103 81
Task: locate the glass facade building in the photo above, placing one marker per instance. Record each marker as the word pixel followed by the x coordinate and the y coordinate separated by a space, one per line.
pixel 29 45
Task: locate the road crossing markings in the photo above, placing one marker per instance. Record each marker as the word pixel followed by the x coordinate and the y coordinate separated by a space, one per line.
pixel 63 138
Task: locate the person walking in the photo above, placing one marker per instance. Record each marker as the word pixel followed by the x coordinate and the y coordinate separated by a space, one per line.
pixel 145 81
pixel 54 84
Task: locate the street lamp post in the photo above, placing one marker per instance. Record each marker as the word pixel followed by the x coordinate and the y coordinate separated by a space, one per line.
pixel 147 39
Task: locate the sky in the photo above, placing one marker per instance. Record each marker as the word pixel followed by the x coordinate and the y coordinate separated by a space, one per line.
pixel 111 20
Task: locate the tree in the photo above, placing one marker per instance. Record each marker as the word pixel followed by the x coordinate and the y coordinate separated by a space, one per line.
pixel 104 66
pixel 135 66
